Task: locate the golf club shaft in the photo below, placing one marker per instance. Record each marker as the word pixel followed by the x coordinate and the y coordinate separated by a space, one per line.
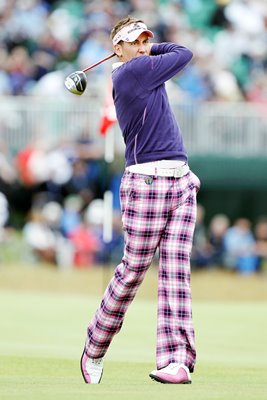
pixel 99 62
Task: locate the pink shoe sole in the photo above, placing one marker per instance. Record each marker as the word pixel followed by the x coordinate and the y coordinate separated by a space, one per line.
pixel 162 380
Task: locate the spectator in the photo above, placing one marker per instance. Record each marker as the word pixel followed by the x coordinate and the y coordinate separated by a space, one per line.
pixel 208 246
pixel 260 231
pixel 40 238
pixel 8 172
pixel 218 227
pixel 94 217
pixel 71 214
pixel 4 215
pixel 82 181
pixel 200 250
pixel 85 244
pixel 43 235
pixel 113 249
pixel 20 69
pixel 239 247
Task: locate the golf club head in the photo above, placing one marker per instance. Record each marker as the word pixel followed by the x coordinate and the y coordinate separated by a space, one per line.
pixel 76 82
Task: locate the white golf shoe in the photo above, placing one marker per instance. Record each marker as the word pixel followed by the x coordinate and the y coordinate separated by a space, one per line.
pixel 173 373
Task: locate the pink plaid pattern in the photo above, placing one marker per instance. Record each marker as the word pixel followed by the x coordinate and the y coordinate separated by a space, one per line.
pixel 157 212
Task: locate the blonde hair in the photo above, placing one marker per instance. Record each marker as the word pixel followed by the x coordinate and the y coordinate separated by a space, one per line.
pixel 122 23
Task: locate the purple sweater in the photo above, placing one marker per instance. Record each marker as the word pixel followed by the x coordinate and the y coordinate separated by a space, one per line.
pixel 147 122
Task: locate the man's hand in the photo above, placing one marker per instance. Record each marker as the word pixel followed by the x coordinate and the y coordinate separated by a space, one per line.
pixel 149 48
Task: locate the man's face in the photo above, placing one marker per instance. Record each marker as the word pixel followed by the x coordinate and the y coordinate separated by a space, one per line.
pixel 128 50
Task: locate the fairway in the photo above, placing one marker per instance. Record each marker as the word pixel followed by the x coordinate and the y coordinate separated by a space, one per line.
pixel 42 335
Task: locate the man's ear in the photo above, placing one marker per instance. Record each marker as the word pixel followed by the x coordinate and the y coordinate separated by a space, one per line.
pixel 118 50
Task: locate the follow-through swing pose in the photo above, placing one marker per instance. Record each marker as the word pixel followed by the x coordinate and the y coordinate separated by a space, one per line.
pixel 158 205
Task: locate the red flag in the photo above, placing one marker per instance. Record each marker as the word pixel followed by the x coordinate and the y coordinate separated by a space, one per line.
pixel 109 114
pixel 22 162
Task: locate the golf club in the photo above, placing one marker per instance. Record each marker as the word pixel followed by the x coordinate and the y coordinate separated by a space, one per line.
pixel 76 82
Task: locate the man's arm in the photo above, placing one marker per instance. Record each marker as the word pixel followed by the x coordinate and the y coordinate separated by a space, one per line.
pixel 165 61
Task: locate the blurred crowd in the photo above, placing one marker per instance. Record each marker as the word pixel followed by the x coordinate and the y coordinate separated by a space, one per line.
pixel 41 39
pixel 238 246
pixel 55 198
pixel 70 234
pixel 56 194
pixel 59 192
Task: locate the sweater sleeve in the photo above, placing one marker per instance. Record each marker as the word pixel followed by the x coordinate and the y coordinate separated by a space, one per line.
pixel 166 60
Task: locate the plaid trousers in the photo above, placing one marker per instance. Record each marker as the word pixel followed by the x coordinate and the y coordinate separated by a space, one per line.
pixel 157 212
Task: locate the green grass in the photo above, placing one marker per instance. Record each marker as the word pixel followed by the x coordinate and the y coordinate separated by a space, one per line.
pixel 42 335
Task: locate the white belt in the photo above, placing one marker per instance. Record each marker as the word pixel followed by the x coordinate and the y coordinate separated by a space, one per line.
pixel 177 172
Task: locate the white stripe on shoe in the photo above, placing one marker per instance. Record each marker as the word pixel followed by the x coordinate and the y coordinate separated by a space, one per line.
pixel 92 369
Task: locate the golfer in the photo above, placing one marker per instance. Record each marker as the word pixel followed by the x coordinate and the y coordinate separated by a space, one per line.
pixel 158 204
